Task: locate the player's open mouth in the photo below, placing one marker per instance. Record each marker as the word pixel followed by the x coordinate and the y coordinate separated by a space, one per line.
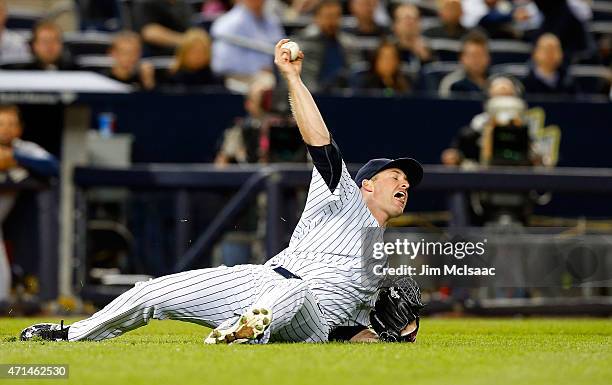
pixel 400 196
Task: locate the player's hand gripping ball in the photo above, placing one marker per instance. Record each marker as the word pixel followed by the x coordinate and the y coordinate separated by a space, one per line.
pixel 293 48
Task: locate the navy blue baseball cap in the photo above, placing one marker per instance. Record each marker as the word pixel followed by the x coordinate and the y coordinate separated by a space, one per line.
pixel 410 167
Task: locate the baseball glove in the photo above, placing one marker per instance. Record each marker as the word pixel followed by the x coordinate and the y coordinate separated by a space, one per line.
pixel 397 307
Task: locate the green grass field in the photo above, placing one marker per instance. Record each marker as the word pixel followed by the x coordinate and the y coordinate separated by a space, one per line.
pixel 448 351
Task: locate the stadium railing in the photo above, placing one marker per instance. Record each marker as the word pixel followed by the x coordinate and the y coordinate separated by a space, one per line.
pixel 275 180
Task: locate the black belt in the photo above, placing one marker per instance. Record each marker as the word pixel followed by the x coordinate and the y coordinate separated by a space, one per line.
pixel 286 273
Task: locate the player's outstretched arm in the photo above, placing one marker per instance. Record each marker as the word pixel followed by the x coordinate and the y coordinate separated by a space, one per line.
pixel 307 115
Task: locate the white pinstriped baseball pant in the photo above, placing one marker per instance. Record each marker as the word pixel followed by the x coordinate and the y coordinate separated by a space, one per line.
pixel 210 297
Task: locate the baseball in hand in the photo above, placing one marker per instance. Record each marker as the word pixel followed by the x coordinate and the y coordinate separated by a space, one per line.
pixel 293 47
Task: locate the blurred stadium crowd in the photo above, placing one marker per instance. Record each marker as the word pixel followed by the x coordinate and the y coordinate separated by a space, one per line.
pixel 397 47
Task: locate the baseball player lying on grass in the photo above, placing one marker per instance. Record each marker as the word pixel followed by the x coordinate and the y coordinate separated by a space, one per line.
pixel 308 290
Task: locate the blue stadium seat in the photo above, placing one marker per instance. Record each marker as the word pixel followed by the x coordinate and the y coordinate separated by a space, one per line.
pixel 88 43
pixel 592 79
pixel 162 65
pixel 22 19
pixel 502 51
pixel 517 70
pixel 434 72
pixel 430 22
pixel 601 27
pixel 358 72
pixel 411 69
pixel 161 62
pixel 509 51
pixel 13 65
pixel 8 63
pixel 97 63
pixel 602 10
pixel 445 49
pixel 294 26
pixel 366 46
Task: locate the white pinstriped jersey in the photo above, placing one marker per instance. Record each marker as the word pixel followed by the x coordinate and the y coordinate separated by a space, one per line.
pixel 326 248
pixel 325 251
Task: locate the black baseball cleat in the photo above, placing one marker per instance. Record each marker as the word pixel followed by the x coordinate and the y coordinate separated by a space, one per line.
pixel 47 332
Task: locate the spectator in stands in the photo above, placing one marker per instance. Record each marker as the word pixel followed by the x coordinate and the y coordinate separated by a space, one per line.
pixel 48 49
pixel 449 13
pixel 162 24
pixel 126 51
pixel 191 65
pixel 500 135
pixel 566 19
pixel 385 72
pixel 514 16
pixel 328 49
pixel 243 39
pixel 241 142
pixel 13 47
pixel 466 145
pixel 547 74
pixel 475 60
pixel 366 26
pixel 17 159
pixel 407 32
pixel 498 20
pixel 62 12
